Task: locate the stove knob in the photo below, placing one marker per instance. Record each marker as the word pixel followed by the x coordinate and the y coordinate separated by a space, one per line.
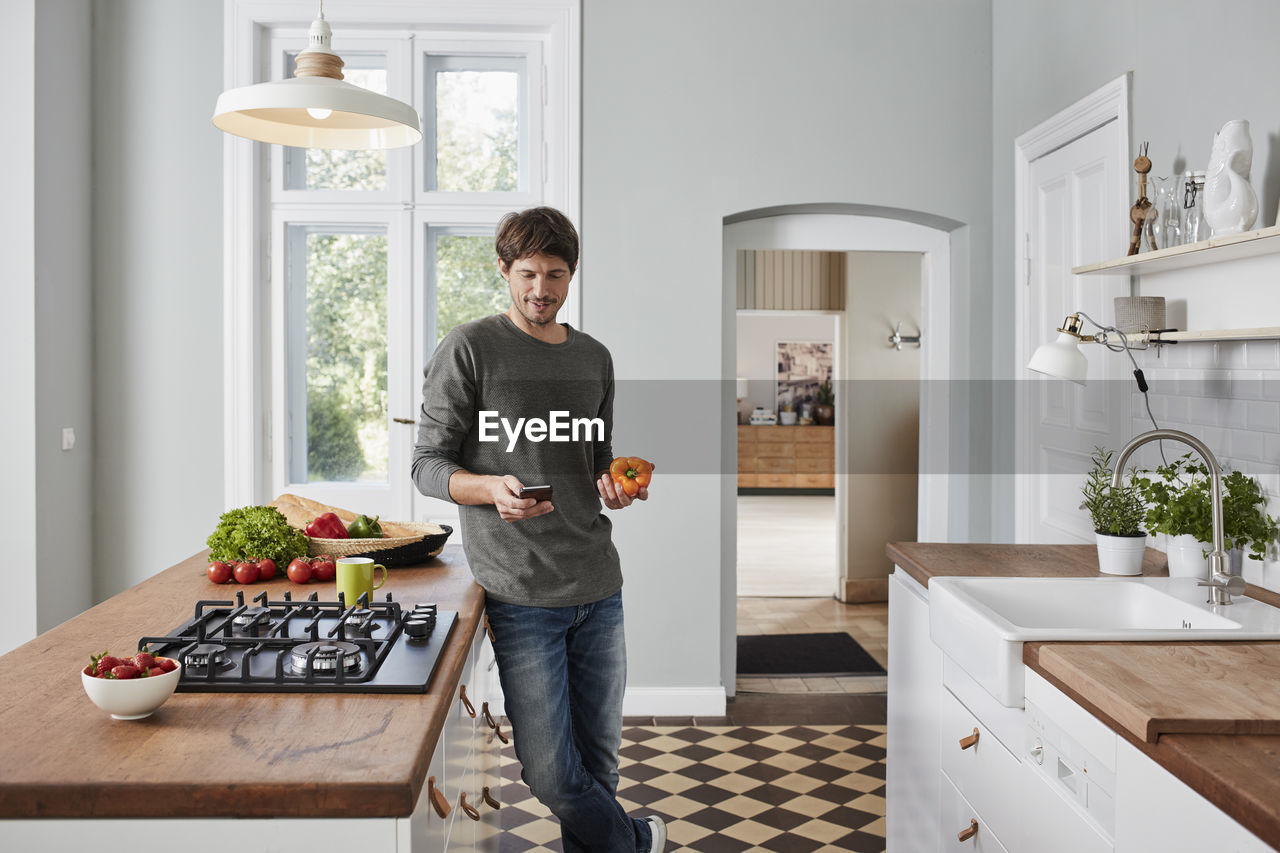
pixel 417 628
pixel 1037 752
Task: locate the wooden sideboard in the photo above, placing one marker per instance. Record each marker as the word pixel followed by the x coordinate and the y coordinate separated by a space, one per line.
pixel 786 457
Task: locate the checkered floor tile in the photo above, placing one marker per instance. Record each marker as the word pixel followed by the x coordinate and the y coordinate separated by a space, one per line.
pixel 734 788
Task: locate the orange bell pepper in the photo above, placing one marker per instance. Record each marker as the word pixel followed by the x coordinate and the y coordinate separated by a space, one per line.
pixel 630 473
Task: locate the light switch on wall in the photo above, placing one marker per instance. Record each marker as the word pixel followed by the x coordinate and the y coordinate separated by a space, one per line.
pixel 68 438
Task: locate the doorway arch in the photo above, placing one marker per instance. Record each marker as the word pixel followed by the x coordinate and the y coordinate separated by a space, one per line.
pixel 944 245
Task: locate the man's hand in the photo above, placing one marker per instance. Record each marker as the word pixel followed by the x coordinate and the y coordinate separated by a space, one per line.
pixel 503 491
pixel 614 497
pixel 478 489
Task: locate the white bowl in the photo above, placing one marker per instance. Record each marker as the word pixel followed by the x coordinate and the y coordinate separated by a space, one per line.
pixel 132 698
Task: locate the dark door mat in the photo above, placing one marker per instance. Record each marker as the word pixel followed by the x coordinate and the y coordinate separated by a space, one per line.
pixel 804 654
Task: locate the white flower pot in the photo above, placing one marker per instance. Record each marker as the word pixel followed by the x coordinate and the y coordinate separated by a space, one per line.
pixel 1187 557
pixel 1120 555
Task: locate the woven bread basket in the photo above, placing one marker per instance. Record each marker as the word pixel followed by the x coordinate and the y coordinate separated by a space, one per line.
pixel 390 551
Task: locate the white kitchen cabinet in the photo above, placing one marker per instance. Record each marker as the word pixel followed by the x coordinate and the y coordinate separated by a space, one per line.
pixel 915 684
pixel 1155 811
pixel 962 826
pixel 982 770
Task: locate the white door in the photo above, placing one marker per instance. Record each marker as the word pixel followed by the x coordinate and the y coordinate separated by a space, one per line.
pixel 1071 217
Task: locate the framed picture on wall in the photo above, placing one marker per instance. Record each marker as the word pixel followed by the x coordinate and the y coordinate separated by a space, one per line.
pixel 802 367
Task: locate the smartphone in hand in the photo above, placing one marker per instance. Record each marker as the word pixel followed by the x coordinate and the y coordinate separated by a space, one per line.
pixel 538 493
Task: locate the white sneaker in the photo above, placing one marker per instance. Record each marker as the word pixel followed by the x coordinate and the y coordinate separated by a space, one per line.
pixel 658 829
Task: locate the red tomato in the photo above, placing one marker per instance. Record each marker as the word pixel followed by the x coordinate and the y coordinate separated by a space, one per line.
pixel 324 570
pixel 246 572
pixel 299 571
pixel 266 570
pixel 219 572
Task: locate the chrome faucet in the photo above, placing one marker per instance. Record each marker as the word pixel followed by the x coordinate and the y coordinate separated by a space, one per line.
pixel 1221 584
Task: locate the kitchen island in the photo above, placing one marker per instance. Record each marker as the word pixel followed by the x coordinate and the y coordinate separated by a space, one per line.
pixel 1237 774
pixel 305 769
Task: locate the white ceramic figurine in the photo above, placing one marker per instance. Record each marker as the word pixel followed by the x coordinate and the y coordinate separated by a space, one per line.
pixel 1230 203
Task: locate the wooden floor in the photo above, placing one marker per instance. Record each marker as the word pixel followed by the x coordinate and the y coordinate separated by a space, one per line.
pixel 787 545
pixel 786 584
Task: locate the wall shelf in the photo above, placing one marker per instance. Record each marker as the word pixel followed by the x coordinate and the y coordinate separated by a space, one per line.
pixel 1262 241
pixel 1259 334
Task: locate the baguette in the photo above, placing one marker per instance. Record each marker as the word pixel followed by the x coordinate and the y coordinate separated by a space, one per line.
pixel 302 511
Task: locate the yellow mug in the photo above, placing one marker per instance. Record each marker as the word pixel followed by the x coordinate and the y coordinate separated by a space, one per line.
pixel 355 576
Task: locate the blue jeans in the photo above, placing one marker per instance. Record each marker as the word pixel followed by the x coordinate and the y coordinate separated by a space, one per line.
pixel 563 671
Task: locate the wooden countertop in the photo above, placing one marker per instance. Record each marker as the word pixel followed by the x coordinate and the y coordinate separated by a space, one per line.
pixel 220 754
pixel 1239 774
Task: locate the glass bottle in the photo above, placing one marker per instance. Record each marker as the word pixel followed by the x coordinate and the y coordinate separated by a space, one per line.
pixel 1167 228
pixel 1194 228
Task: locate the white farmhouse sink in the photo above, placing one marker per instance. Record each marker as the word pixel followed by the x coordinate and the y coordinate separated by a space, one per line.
pixel 981 623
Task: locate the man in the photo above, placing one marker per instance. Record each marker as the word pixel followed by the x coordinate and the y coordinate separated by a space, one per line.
pixel 515 400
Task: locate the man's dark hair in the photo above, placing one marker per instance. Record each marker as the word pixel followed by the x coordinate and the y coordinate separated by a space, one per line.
pixel 537 231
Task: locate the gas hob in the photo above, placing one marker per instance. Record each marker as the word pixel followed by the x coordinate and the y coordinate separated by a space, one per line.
pixel 306 646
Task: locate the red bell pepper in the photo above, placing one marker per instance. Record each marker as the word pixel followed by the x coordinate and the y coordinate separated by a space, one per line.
pixel 327 526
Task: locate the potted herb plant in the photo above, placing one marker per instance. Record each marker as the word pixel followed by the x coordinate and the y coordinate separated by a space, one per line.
pixel 1178 506
pixel 1117 514
pixel 824 414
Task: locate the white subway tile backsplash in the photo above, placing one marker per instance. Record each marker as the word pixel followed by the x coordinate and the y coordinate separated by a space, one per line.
pixel 1178 409
pixel 1204 411
pixel 1231 354
pixel 1248 385
pixel 1264 355
pixel 1263 416
pixel 1247 445
pixel 1271 445
pixel 1201 356
pixel 1234 414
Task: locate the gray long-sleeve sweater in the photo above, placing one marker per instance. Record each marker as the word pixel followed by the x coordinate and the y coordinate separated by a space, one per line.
pixel 483 378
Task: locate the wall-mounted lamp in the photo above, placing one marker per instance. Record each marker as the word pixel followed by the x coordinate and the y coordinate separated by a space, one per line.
pixel 316 108
pixel 1061 358
pixel 742 395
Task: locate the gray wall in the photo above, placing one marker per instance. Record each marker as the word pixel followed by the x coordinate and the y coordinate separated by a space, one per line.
pixel 64 333
pixel 157 205
pixel 1194 68
pixel 46 500
pixel 693 111
pixel 18 382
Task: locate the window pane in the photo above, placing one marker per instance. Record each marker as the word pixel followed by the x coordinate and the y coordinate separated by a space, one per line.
pixel 342 369
pixel 468 285
pixel 332 169
pixel 477 131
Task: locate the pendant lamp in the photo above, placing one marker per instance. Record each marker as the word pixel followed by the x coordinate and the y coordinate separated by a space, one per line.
pixel 315 108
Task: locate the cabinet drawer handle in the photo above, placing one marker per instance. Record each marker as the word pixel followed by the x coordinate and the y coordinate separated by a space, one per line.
pixel 969 831
pixel 965 742
pixel 470 810
pixel 489 800
pixel 493 724
pixel 438 802
pixel 466 703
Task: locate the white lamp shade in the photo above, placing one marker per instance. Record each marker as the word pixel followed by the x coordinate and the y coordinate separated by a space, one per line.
pixel 1061 359
pixel 277 112
pixel 742 388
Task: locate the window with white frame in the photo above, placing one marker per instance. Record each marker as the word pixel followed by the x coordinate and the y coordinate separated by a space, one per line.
pixel 360 261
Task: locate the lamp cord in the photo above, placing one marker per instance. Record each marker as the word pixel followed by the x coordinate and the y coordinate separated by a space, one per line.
pixel 1137 371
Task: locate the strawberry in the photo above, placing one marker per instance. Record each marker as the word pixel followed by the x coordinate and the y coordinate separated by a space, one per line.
pixel 103 664
pixel 144 660
pixel 167 664
pixel 154 671
pixel 125 671
pixel 91 670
